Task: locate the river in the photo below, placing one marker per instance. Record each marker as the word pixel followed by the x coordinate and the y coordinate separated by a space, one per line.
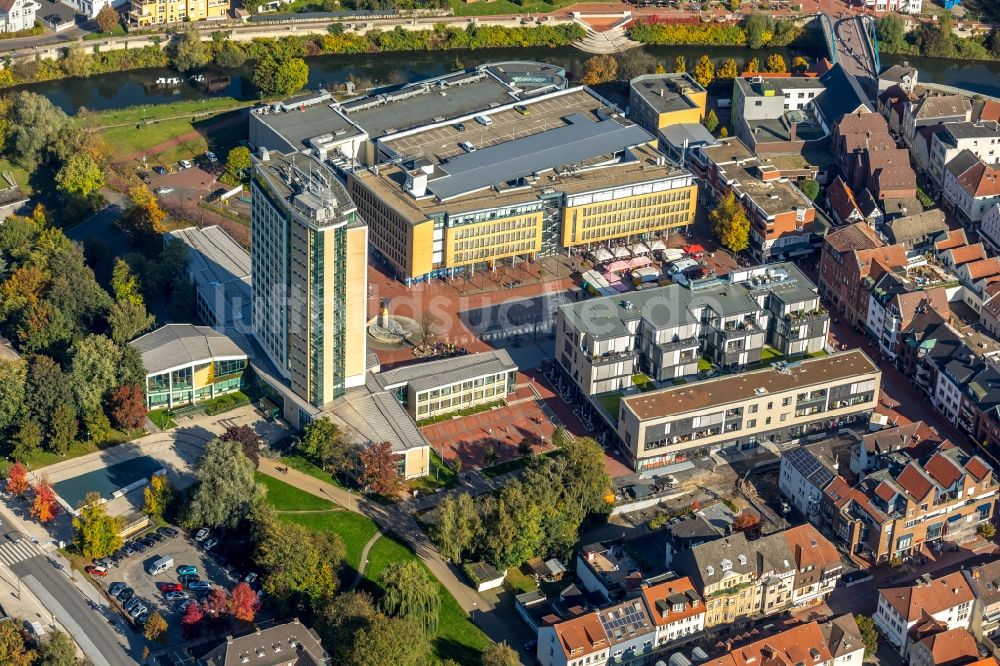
pixel 123 89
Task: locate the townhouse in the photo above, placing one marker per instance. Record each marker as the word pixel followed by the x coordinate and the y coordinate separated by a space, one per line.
pixel 894 300
pixel 740 580
pixel 867 153
pixel 573 642
pixel 17 15
pixel 909 501
pixel 852 255
pixel 806 470
pixel 951 647
pixel 917 439
pixel 837 642
pixel 981 139
pixel 989 228
pixel 847 208
pixel 676 609
pixel 946 601
pixel 664 332
pixel 971 187
pixel 779 404
pixel 983 580
pixel 916 231
pixel 930 109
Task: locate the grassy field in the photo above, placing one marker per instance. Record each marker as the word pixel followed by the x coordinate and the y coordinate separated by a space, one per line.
pixel 22 177
pixel 41 459
pixel 441 477
pixel 506 7
pixel 353 528
pixel 136 114
pixel 457 638
pixel 284 497
pixel 162 419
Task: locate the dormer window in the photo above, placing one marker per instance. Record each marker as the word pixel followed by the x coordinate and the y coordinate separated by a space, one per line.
pixel 726 565
pixel 710 570
pixel 677 608
pixel 742 559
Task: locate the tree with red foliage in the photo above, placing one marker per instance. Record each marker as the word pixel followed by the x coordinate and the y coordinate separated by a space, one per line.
pixel 243 603
pixel 191 621
pixel 215 608
pixel 45 507
pixel 247 438
pixel 695 505
pixel 747 522
pixel 17 479
pixel 128 407
pixel 379 469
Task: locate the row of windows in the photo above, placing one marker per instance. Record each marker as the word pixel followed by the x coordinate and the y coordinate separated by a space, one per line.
pixel 527 224
pixel 460 401
pixel 465 386
pixel 642 202
pixel 642 226
pixel 612 218
pixel 496 252
pixel 498 239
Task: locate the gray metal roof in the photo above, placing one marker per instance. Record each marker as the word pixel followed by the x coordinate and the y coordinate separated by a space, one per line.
pixel 220 270
pixel 376 417
pixel 695 133
pixel 810 467
pixel 177 345
pixel 430 374
pixel 582 139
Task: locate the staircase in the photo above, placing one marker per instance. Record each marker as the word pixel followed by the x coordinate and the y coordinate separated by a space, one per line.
pixel 612 40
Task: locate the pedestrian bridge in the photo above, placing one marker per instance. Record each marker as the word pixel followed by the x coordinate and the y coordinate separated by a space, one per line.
pixel 852 43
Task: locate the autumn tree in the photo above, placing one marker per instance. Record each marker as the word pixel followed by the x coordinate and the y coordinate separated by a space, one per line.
pixel 869 633
pixel 107 19
pixel 730 223
pixel 747 522
pixel 243 603
pixel 189 52
pixel 728 70
pixel 13 651
pixel 58 649
pixel 300 565
pixel 704 71
pixel 711 121
pixel 680 65
pixel 247 438
pixel 599 69
pixel 156 628
pixel 776 64
pixel 157 496
pixel 500 654
pixel 128 407
pixel 191 621
pixel 799 64
pixel 45 506
pixel 238 163
pixel 752 66
pixel 380 469
pixel 97 533
pixel 80 176
pixel 17 479
pixel 143 217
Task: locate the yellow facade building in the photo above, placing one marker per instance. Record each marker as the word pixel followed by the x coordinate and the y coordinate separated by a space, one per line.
pixel 659 100
pixel 146 13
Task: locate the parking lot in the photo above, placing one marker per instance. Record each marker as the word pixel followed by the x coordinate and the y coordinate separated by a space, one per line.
pixel 131 572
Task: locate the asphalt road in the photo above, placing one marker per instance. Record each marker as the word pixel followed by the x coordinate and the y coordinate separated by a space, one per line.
pixel 96 637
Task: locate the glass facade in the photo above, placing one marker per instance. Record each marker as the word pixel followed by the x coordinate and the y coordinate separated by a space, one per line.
pixel 193 383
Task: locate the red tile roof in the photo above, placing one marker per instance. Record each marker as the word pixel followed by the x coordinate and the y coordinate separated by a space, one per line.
pixel 885 491
pixel 841 199
pixel 981 180
pixel 661 607
pixel 790 647
pixel 914 482
pixel 967 253
pixel 984 268
pixel 949 648
pixel 857 236
pixel 810 547
pixel 978 468
pixel 954 238
pixel 934 597
pixel 582 635
pixel 942 470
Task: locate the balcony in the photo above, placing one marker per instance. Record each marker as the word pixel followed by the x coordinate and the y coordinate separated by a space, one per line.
pixel 609 357
pixel 804 316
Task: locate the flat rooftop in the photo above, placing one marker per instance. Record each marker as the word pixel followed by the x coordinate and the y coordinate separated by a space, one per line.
pixel 220 269
pixel 666 92
pixel 738 388
pixel 431 374
pixel 773 197
pixel 777 86
pixel 307 186
pixel 779 129
pixel 451 95
pixel 726 152
pixel 641 167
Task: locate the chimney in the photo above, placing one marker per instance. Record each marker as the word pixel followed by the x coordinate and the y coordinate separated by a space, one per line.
pixel 663 92
pixel 792 131
pixel 265 156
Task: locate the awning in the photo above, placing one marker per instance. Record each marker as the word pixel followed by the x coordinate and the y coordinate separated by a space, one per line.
pixel 612 277
pixel 600 254
pixel 657 245
pixel 617 266
pixel 694 249
pixel 639 262
pixel 621 252
pixel 640 248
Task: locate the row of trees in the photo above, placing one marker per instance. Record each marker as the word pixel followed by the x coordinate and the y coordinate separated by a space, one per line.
pixel 324 444
pixel 935 40
pixel 536 515
pixel 706 71
pixel 220 610
pixel 757 31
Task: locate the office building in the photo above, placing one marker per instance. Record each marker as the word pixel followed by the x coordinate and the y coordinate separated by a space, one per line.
pixel 309 269
pixel 657 101
pixel 148 13
pixel 664 332
pixel 779 404
pixel 186 364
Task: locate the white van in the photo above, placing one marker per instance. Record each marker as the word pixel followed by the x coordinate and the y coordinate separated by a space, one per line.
pixel 467 147
pixel 484 120
pixel 160 565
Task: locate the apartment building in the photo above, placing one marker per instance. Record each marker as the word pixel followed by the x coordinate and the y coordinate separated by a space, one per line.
pixel 574 642
pixel 916 439
pixel 951 647
pixel 777 113
pixel 446 386
pixel 807 470
pixel 929 109
pixel 778 404
pixel 981 139
pixel 947 601
pixel 837 642
pixel 852 256
pixel 603 342
pixel 985 621
pixel 784 223
pixel 894 300
pixel 17 15
pixel 676 608
pixel 657 101
pixel 989 229
pixel 910 501
pixel 186 364
pixel 740 580
pixel 867 154
pixel 971 187
pixel 309 265
pixel 147 13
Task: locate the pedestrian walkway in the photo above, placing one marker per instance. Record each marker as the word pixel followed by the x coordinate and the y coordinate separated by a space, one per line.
pixel 13 552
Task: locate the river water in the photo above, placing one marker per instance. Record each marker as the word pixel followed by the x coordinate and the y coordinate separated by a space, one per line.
pixel 123 89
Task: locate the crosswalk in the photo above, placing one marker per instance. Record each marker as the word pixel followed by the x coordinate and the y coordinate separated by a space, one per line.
pixel 14 552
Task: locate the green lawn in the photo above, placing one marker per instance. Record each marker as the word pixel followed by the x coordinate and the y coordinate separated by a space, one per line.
pixel 643 382
pixel 21 177
pixel 162 418
pixel 441 477
pixel 457 638
pixel 769 353
pixel 355 530
pixel 41 458
pixel 284 497
pixel 135 114
pixel 300 463
pixel 610 403
pixel 117 31
pixel 506 7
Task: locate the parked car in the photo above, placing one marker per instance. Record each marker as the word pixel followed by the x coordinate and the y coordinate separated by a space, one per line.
pixel 250 578
pixel 210 157
pixel 145 177
pixel 148 542
pixel 486 121
pixel 175 596
pixel 188 602
pixel 187 570
pixel 522 109
pixel 137 610
pixel 187 580
pixel 680 266
pixel 200 585
pixel 160 171
pixel 167 531
pixel 467 146
pixel 185 164
pixel 96 571
pixel 132 602
pixel 138 546
pixel 115 588
pixel 459 126
pixel 201 534
pixel 170 587
pixel 164 190
pixel 211 543
pixel 126 594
